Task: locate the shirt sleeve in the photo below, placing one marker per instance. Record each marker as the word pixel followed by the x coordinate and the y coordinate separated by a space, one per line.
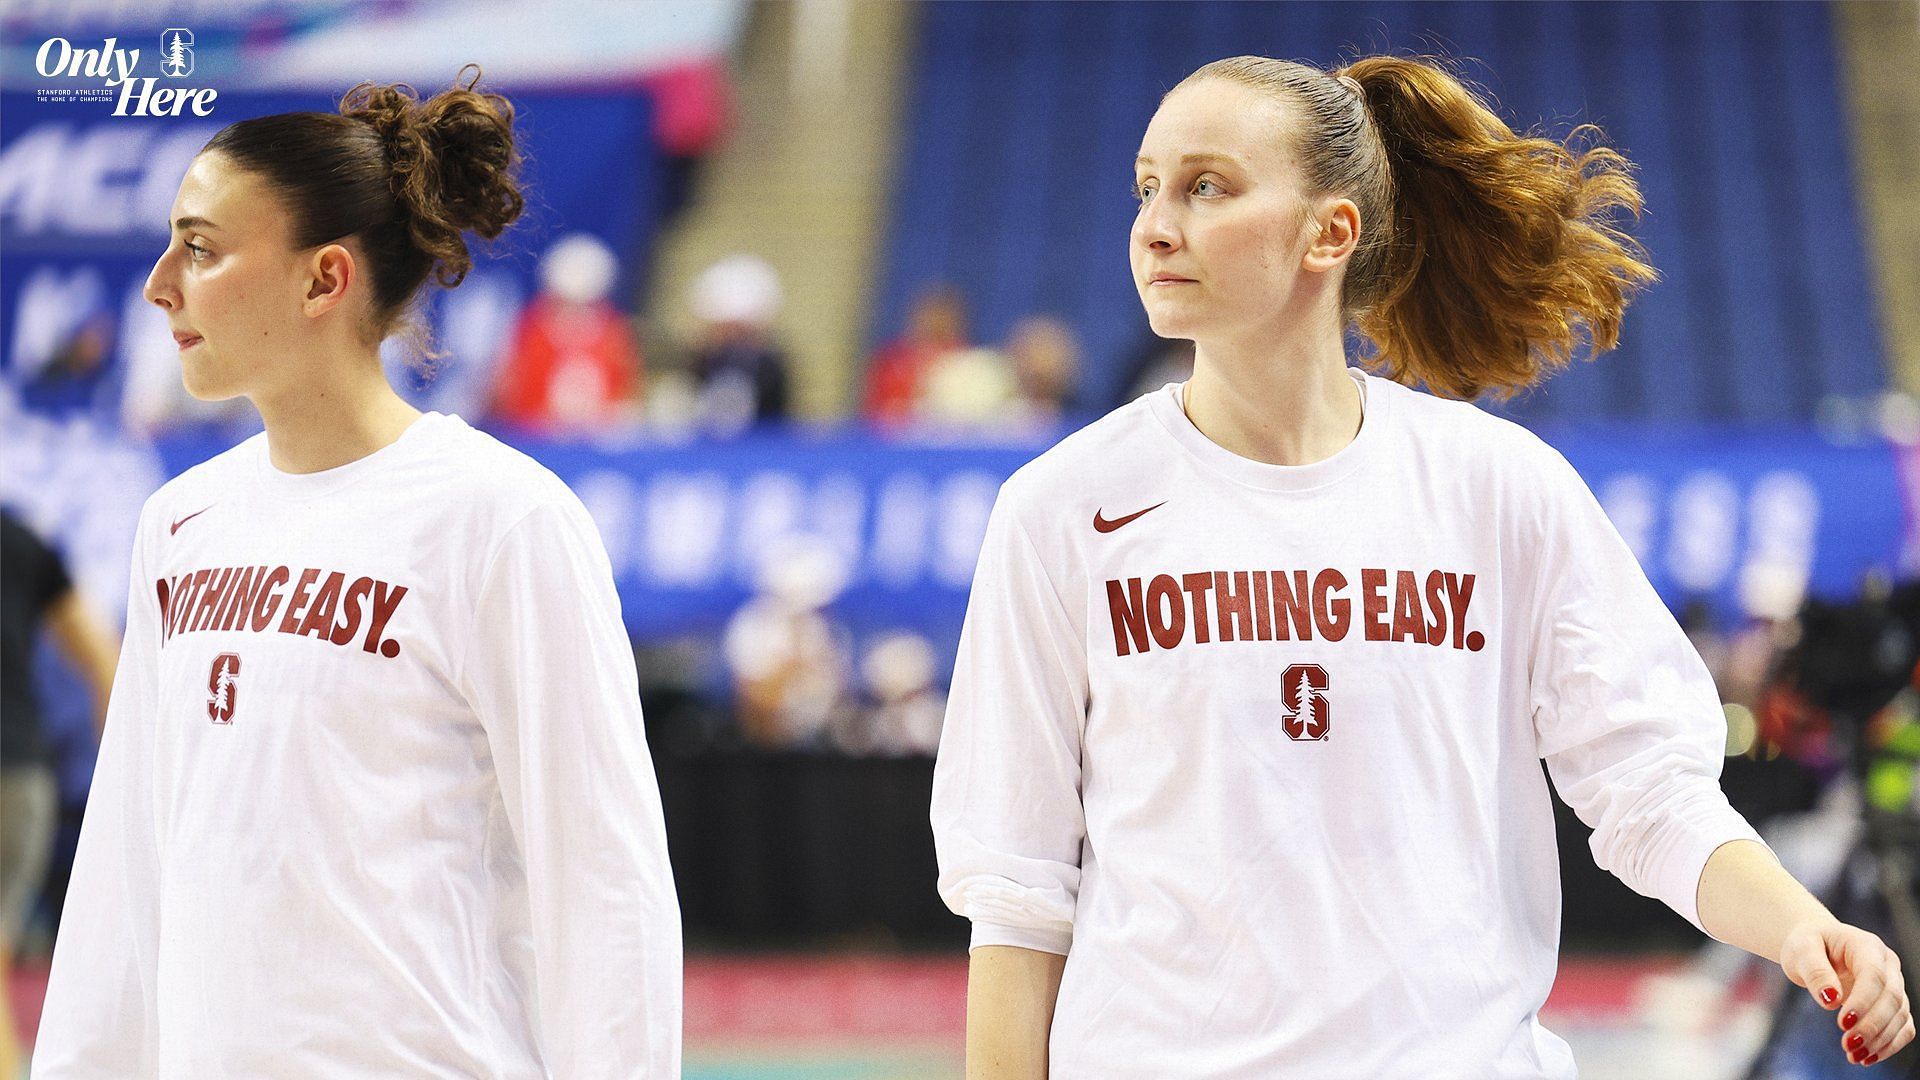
pixel 1008 824
pixel 1627 715
pixel 101 1015
pixel 550 674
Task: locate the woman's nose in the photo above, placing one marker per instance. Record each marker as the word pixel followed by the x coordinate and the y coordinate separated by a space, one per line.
pixel 1155 229
pixel 159 289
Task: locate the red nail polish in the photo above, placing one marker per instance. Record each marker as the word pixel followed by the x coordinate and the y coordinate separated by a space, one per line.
pixel 1847 1021
pixel 1871 1060
pixel 1829 995
pixel 1855 1042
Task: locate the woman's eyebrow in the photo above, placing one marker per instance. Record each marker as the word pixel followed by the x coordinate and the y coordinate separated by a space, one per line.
pixel 190 222
pixel 1197 159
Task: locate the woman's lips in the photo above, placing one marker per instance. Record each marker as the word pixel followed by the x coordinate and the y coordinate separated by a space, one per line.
pixel 186 341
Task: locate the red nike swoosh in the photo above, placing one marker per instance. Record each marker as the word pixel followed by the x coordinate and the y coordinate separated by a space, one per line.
pixel 1101 524
pixel 189 517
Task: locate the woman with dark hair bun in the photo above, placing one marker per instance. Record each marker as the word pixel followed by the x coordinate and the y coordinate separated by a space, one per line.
pixel 1241 770
pixel 374 797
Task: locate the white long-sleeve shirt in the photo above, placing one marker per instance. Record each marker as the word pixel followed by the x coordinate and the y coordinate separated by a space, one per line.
pixel 374 798
pixel 1257 747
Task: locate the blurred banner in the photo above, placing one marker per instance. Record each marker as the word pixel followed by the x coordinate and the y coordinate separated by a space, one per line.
pixel 1740 520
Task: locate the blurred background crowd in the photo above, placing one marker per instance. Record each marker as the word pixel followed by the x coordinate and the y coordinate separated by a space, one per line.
pixel 803 281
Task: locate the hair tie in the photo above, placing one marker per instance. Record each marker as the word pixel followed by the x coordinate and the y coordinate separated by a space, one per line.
pixel 1352 84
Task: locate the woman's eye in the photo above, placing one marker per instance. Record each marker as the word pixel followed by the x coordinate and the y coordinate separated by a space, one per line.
pixel 1142 192
pixel 1200 186
pixel 196 252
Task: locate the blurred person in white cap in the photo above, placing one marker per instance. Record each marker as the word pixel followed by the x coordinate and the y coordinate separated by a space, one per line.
pixel 908 708
pixel 741 373
pixel 788 658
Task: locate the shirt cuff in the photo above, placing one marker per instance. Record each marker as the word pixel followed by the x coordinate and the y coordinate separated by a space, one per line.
pixel 1024 937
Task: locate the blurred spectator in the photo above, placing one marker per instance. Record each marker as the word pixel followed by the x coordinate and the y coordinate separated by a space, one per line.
pixel 1898 417
pixel 967 389
pixel 35 588
pixel 61 339
pixel 741 373
pixel 936 326
pixel 907 709
pixel 574 365
pixel 1020 389
pixel 1771 593
pixel 789 661
pixel 1046 369
pixel 1702 627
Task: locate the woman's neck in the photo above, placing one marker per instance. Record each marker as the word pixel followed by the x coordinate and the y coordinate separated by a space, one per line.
pixel 337 413
pixel 1275 406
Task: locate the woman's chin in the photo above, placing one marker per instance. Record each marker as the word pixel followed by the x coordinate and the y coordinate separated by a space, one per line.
pixel 202 387
pixel 1168 324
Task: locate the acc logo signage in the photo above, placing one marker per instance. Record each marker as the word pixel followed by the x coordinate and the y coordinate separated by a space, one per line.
pixel 222 693
pixel 1308 711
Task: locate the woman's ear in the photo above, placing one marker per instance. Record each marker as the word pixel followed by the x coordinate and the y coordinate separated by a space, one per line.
pixel 331 274
pixel 1338 234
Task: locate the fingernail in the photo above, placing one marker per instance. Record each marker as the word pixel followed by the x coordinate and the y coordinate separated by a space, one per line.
pixel 1847 1021
pixel 1870 1060
pixel 1829 995
pixel 1855 1042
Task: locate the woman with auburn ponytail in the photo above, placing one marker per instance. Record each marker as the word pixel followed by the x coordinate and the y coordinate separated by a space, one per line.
pixel 1240 777
pixel 374 797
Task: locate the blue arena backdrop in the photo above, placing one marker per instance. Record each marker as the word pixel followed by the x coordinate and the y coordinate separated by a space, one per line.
pixel 84 197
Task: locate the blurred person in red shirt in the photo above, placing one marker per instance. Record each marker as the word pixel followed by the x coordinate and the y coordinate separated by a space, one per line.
pixel 936 326
pixel 574 365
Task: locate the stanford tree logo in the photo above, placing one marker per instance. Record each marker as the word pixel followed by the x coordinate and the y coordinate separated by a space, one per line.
pixel 1307 709
pixel 222 694
pixel 176 53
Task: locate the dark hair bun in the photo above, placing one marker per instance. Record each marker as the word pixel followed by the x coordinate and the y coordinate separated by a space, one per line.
pixel 452 163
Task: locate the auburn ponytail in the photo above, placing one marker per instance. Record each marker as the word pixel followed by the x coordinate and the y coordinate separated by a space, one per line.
pixel 1491 254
